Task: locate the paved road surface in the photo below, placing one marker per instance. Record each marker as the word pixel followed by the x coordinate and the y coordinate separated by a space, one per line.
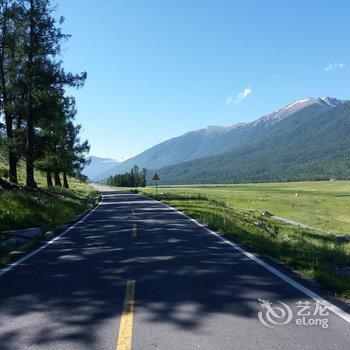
pixel 186 289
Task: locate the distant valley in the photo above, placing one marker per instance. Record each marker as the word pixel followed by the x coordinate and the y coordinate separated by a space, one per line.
pixel 98 166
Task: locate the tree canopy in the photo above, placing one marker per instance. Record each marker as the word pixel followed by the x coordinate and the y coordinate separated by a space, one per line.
pixel 38 117
pixel 134 178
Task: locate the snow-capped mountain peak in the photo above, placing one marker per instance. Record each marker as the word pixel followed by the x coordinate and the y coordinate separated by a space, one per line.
pixel 297 103
pixel 331 101
pixel 294 107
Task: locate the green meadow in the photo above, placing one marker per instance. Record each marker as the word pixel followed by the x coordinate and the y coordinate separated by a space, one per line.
pixel 324 204
pixel 237 212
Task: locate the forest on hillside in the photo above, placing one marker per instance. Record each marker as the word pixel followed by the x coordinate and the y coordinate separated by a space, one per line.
pixel 37 124
pixel 310 145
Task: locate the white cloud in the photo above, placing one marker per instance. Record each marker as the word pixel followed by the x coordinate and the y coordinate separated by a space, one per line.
pixel 240 97
pixel 334 66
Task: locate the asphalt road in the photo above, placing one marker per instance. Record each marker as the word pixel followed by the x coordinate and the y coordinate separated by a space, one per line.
pixel 186 289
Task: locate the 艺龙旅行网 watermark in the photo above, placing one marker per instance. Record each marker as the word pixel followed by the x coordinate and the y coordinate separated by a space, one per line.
pixel 274 314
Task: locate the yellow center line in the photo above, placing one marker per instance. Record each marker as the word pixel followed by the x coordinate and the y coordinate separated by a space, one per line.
pixel 134 230
pixel 125 329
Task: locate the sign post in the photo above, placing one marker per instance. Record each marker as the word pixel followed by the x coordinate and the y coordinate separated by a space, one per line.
pixel 156 179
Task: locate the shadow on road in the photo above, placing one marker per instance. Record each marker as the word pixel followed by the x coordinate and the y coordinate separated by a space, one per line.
pixel 75 288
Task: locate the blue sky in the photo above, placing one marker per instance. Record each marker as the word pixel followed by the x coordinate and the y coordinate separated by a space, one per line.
pixel 159 68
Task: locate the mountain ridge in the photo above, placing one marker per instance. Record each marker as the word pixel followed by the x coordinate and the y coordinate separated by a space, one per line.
pixel 313 144
pixel 214 140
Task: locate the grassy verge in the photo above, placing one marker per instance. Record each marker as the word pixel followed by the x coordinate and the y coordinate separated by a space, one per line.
pixel 316 254
pixel 47 208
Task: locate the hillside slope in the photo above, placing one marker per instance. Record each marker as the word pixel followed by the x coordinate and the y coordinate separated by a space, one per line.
pixel 192 145
pixel 215 140
pixel 47 208
pixel 311 144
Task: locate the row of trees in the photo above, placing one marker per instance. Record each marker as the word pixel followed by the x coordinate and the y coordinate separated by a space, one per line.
pixel 134 178
pixel 38 117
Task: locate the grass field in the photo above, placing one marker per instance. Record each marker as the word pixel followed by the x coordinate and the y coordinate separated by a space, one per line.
pixel 325 204
pixel 322 204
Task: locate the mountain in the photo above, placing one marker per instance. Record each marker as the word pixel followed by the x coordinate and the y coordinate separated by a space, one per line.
pixel 296 106
pixel 312 143
pixel 214 140
pixel 98 166
pixel 192 145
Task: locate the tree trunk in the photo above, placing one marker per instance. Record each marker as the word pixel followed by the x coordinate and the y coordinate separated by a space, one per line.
pixel 65 180
pixel 57 179
pixel 13 167
pixel 30 123
pixel 30 154
pixel 49 179
pixel 12 157
pixel 16 156
pixel 5 101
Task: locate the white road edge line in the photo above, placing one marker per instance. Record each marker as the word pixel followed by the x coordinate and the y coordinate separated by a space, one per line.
pixel 335 309
pixel 36 251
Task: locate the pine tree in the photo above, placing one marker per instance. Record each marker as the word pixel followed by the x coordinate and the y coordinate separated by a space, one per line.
pixel 42 71
pixel 11 25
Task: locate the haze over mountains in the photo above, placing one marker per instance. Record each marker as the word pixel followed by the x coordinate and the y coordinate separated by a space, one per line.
pixel 307 139
pixel 99 166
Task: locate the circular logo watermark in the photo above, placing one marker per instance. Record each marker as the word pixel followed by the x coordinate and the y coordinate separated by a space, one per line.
pixel 307 313
pixel 274 314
